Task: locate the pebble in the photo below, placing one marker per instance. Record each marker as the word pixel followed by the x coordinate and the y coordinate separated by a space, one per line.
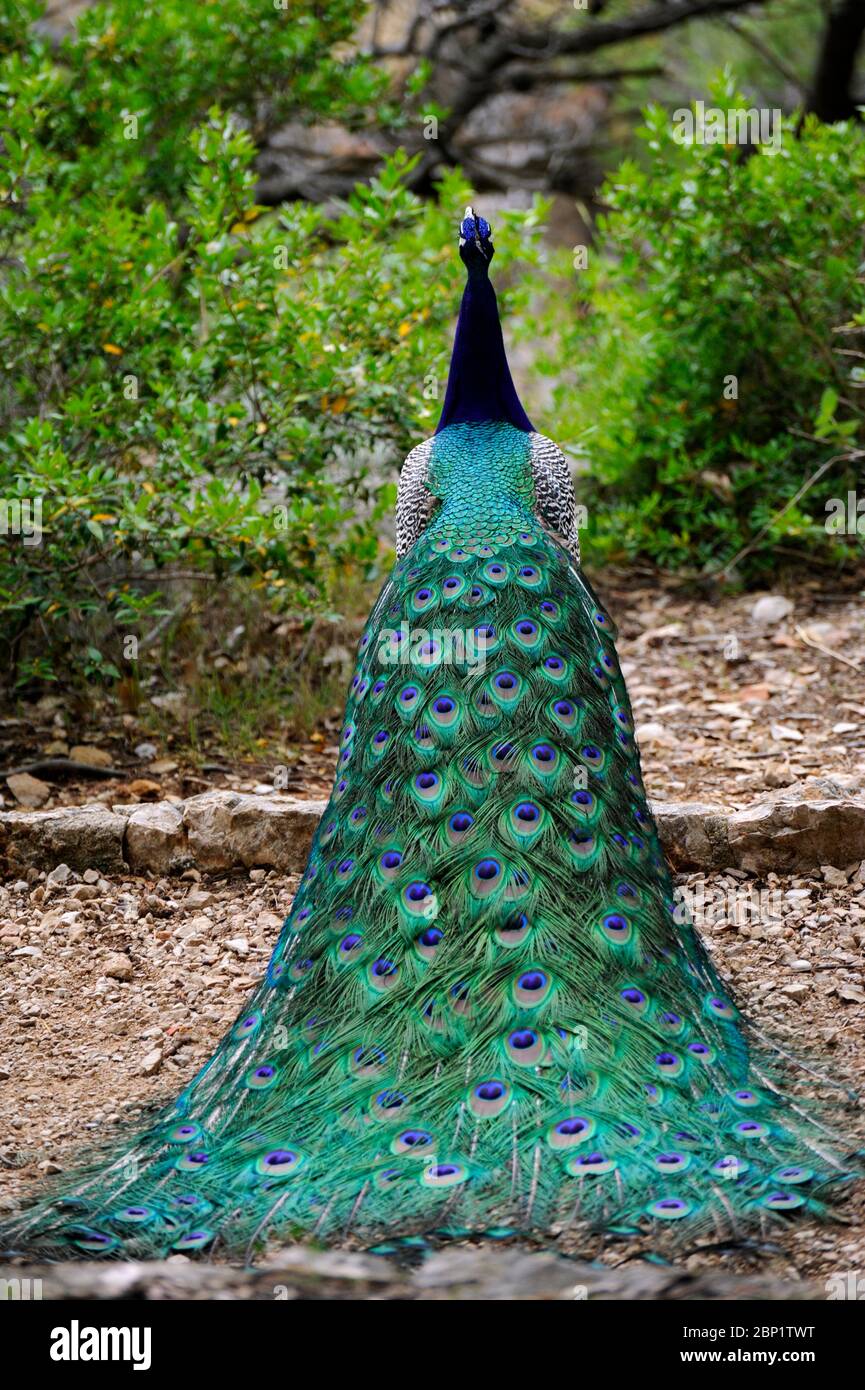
pixel 195 926
pixel 198 898
pixel 771 608
pixel 118 967
pixel 84 892
pixel 835 877
pixel 93 757
pixel 28 791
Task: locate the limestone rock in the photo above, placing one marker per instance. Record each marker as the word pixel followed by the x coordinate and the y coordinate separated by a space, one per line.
pixel 790 833
pixel 90 756
pixel 155 842
pixel 27 790
pixel 225 829
pixel 771 608
pixel 693 833
pixel 84 837
pixel 118 967
pixel 151 1063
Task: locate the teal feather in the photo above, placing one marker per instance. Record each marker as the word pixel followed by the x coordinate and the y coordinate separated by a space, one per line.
pixel 483 1013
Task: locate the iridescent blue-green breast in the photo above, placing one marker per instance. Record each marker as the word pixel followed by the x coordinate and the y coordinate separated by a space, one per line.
pixel 482 475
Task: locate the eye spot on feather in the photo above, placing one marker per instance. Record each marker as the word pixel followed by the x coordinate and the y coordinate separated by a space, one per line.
pixel 489 1098
pixel 525 1047
pixel 413 1142
pixel 669 1208
pixel 594 1165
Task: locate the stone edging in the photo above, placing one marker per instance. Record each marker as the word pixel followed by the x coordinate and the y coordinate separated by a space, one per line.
pixel 461 1273
pixel 222 830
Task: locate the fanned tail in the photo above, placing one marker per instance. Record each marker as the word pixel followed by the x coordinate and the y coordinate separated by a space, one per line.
pixel 484 1011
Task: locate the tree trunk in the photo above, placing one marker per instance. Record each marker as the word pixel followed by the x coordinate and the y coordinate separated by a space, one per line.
pixel 831 97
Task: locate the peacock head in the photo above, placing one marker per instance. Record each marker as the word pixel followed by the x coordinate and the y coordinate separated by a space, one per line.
pixel 476 247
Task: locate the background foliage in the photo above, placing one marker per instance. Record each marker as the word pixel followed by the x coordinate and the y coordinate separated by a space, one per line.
pixel 716 361
pixel 196 387
pixel 212 398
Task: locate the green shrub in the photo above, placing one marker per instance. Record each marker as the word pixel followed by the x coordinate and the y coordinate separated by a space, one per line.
pixel 714 363
pixel 194 388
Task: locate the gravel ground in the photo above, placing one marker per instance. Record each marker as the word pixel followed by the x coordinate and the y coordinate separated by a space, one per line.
pixel 730 699
pixel 115 992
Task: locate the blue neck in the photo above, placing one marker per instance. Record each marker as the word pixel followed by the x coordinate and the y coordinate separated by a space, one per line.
pixel 479 382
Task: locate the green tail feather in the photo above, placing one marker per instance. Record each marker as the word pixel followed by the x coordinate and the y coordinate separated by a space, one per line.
pixel 483 1011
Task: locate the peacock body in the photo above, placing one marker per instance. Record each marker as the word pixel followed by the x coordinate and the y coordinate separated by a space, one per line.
pixel 485 1010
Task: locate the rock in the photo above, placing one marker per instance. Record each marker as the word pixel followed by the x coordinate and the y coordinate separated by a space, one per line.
pixel 836 878
pixel 655 734
pixel 158 906
pixel 460 1274
pixel 118 967
pixel 145 789
pixel 776 775
pixel 174 702
pixel 84 837
pixel 795 989
pixel 198 898
pixel 789 833
pixel 851 994
pixel 155 841
pixel 92 757
pixel 59 875
pixel 784 733
pixel 152 1062
pixel 197 929
pixel 239 945
pixel 27 790
pixel 145 751
pixel 693 834
pixel 90 876
pixel 771 608
pixel 225 828
pixel 84 892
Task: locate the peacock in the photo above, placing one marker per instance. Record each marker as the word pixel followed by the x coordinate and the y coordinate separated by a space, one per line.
pixel 486 1013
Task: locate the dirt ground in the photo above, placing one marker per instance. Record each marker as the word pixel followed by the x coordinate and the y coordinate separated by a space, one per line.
pixel 113 993
pixel 727 705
